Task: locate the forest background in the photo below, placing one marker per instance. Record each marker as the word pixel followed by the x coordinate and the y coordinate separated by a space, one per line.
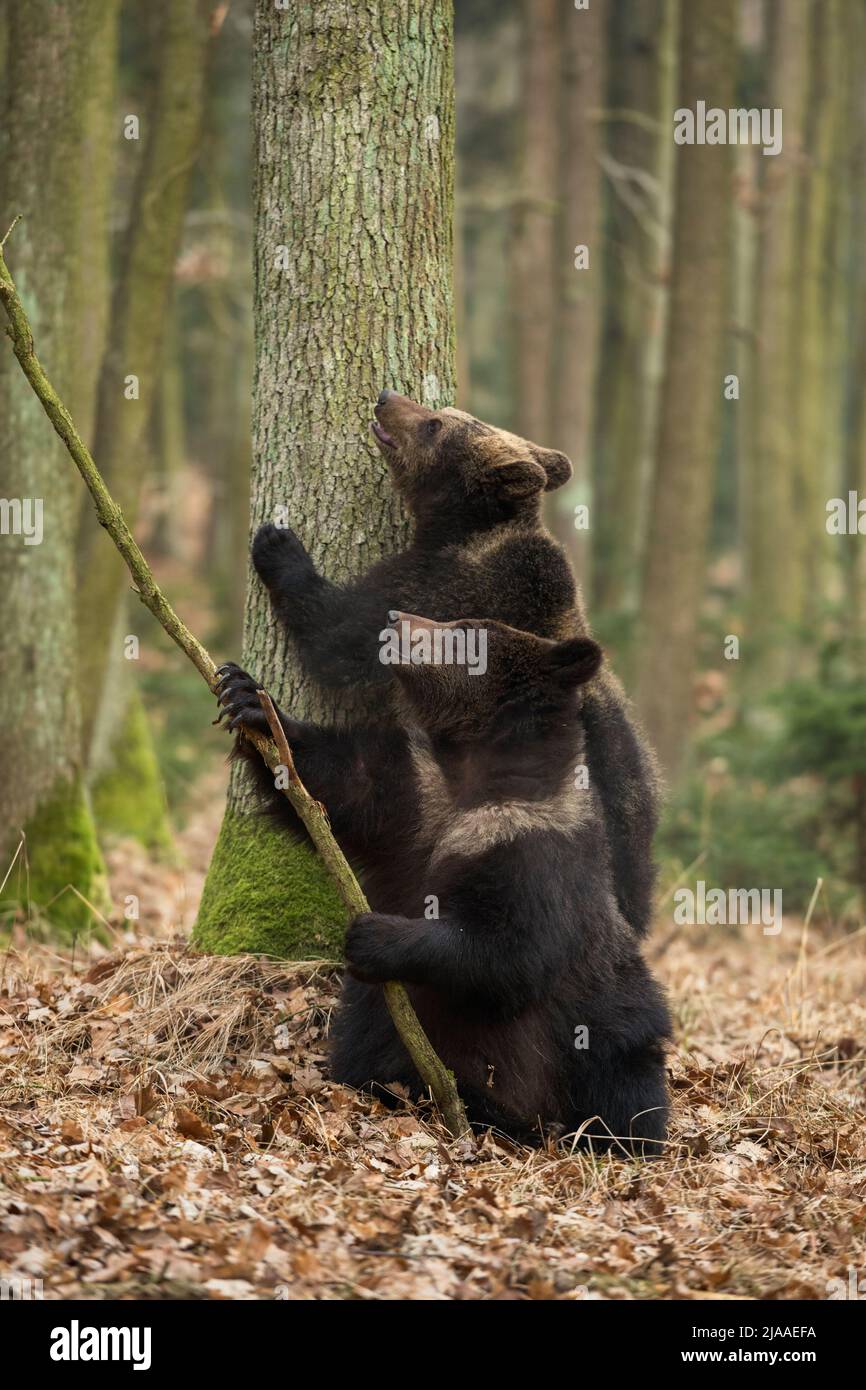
pixel 692 334
pixel 238 223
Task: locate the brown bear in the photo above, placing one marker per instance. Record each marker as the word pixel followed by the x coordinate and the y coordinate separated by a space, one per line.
pixel 488 871
pixel 479 546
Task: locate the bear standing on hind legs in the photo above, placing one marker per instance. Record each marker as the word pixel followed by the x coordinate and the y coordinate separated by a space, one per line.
pixel 490 881
pixel 479 546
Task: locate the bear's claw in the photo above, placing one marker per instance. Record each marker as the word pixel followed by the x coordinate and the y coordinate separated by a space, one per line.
pixel 237 692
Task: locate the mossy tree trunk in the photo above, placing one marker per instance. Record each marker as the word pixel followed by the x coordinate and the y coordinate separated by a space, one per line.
pixel 353 109
pixel 688 430
pixel 55 168
pixel 170 129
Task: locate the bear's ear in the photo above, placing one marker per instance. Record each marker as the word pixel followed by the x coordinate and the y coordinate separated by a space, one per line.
pixel 519 477
pixel 575 661
pixel 557 468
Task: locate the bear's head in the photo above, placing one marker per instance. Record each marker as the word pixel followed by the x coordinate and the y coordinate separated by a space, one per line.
pixel 480 680
pixel 450 466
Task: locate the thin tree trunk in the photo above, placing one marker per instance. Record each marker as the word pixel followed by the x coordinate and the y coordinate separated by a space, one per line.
pixel 488 49
pixel 171 130
pixel 747 159
pixel 583 46
pixel 638 127
pixel 168 433
pixel 535 237
pixel 687 439
pixel 768 509
pixel 354 131
pixel 818 404
pixel 58 99
pixel 852 273
pixel 229 382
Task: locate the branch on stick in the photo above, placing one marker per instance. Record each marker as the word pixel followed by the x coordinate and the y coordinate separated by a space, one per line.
pixel 276 754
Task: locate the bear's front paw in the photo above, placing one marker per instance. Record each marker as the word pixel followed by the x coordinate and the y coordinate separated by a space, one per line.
pixel 236 692
pixel 280 559
pixel 371 948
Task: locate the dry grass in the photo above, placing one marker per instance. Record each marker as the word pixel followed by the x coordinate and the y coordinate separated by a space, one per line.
pixel 167 1129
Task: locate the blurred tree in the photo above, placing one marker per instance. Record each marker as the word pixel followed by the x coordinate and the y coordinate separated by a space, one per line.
pixel 55 170
pixel 582 39
pixel 227 432
pixel 688 431
pixel 169 443
pixel 215 321
pixel 231 382
pixel 747 159
pixel 816 405
pixel 768 500
pixel 114 726
pixel 852 280
pixel 489 95
pixel 534 250
pixel 354 128
pixel 638 129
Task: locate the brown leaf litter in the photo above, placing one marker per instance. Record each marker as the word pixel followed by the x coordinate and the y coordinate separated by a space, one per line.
pixel 167 1130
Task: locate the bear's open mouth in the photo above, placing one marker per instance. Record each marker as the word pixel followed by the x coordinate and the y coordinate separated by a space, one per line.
pixel 382 436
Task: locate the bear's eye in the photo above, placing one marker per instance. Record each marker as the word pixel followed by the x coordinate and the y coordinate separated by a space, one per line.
pixel 432 427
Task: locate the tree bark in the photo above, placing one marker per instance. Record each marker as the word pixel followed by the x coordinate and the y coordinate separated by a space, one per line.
pixel 535 236
pixel 687 438
pixel 353 111
pixel 55 172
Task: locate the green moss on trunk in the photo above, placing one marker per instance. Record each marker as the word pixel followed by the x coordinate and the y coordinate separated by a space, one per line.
pixel 264 893
pixel 62 857
pixel 129 797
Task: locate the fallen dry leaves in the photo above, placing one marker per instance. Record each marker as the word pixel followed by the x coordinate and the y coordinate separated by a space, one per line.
pixel 167 1129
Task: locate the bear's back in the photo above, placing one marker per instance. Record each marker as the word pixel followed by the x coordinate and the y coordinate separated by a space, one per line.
pixel 513 574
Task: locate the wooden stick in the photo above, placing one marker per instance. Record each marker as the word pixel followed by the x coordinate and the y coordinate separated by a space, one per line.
pixel 276 754
pixel 428 1064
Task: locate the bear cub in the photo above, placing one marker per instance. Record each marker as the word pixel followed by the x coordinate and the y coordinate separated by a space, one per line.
pixel 474 493
pixel 489 877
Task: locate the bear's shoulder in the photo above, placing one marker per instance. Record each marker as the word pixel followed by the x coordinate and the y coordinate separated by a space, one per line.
pixel 528 573
pixel 530 543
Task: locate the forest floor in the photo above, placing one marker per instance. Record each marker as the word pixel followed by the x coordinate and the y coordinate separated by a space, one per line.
pixel 167 1130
